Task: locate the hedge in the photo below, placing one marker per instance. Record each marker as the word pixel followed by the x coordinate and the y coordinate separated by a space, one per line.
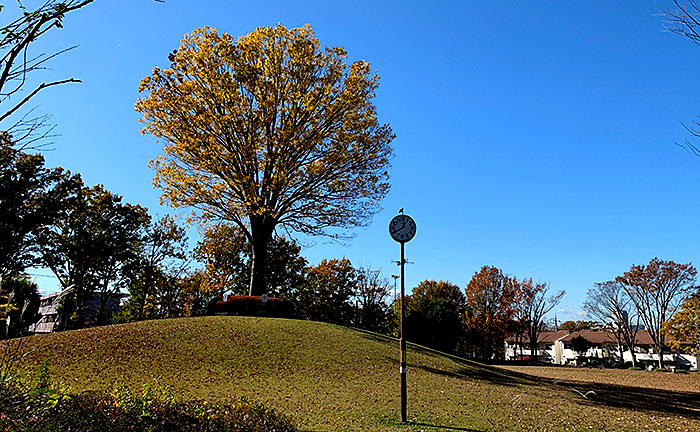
pixel 251 306
pixel 27 409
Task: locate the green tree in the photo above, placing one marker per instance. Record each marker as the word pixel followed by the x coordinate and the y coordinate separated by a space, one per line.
pixel 163 252
pixel 657 289
pixel 327 292
pixel 434 323
pixel 268 131
pixel 433 315
pixel 224 252
pixel 442 290
pixel 285 267
pixel 88 249
pixel 31 198
pixel 19 306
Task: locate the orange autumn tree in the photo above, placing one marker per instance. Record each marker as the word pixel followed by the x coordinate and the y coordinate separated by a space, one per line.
pixel 657 290
pixel 490 311
pixel 684 327
pixel 268 131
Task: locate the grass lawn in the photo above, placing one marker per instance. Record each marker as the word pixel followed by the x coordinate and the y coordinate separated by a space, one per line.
pixel 330 378
pixel 689 383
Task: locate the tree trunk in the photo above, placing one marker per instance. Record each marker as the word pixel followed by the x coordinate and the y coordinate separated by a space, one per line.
pixel 660 349
pixel 620 352
pixel 634 358
pixel 533 348
pixel 101 312
pixel 261 233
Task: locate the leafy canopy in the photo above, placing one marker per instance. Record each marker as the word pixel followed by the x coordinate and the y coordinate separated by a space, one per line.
pixel 31 198
pixel 326 294
pixel 657 289
pixel 684 327
pixel 491 306
pixel 269 126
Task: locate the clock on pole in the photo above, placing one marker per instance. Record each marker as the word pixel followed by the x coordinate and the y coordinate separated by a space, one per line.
pixel 402 228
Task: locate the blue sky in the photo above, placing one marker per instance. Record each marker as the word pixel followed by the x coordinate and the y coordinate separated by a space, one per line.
pixel 536 136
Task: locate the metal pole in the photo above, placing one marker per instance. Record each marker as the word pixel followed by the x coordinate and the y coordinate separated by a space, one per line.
pixel 402 343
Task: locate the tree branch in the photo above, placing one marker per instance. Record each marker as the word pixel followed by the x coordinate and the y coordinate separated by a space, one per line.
pixel 36 90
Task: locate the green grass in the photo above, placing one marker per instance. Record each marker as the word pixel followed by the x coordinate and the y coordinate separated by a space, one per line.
pixel 330 378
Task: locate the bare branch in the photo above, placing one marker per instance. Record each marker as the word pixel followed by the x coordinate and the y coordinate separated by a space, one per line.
pixel 36 90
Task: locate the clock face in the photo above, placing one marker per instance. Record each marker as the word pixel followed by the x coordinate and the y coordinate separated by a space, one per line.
pixel 402 228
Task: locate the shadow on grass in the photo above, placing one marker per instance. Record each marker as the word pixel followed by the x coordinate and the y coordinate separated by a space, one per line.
pixel 613 395
pixel 473 374
pixel 636 398
pixel 620 396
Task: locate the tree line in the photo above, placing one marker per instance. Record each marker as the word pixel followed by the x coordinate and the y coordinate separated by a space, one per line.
pixel 474 322
pixel 98 246
pixel 265 133
pixel 660 296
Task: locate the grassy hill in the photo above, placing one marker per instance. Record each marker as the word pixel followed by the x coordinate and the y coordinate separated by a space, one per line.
pixel 330 378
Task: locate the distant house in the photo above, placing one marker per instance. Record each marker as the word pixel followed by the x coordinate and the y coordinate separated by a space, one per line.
pixel 519 348
pixel 49 318
pixel 557 348
pixel 48 315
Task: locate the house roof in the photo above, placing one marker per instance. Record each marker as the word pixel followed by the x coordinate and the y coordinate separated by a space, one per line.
pixel 605 337
pixel 592 336
pixel 543 337
pixel 551 337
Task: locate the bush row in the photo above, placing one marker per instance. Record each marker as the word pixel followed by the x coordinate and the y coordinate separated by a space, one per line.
pixel 251 306
pixel 42 408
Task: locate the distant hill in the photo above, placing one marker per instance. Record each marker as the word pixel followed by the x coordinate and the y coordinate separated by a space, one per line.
pixel 331 378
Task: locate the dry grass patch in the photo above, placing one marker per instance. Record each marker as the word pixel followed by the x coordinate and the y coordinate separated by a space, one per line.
pixel 622 377
pixel 331 378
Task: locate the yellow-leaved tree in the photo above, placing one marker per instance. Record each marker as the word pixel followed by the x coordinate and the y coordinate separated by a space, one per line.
pixel 267 131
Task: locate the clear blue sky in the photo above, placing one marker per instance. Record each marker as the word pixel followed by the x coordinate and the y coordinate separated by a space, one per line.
pixel 536 136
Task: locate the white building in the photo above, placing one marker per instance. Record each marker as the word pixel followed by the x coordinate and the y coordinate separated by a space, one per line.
pixel 602 345
pixel 49 315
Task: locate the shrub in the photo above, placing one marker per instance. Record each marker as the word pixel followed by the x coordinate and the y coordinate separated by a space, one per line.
pixel 251 306
pixel 98 412
pixel 37 405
